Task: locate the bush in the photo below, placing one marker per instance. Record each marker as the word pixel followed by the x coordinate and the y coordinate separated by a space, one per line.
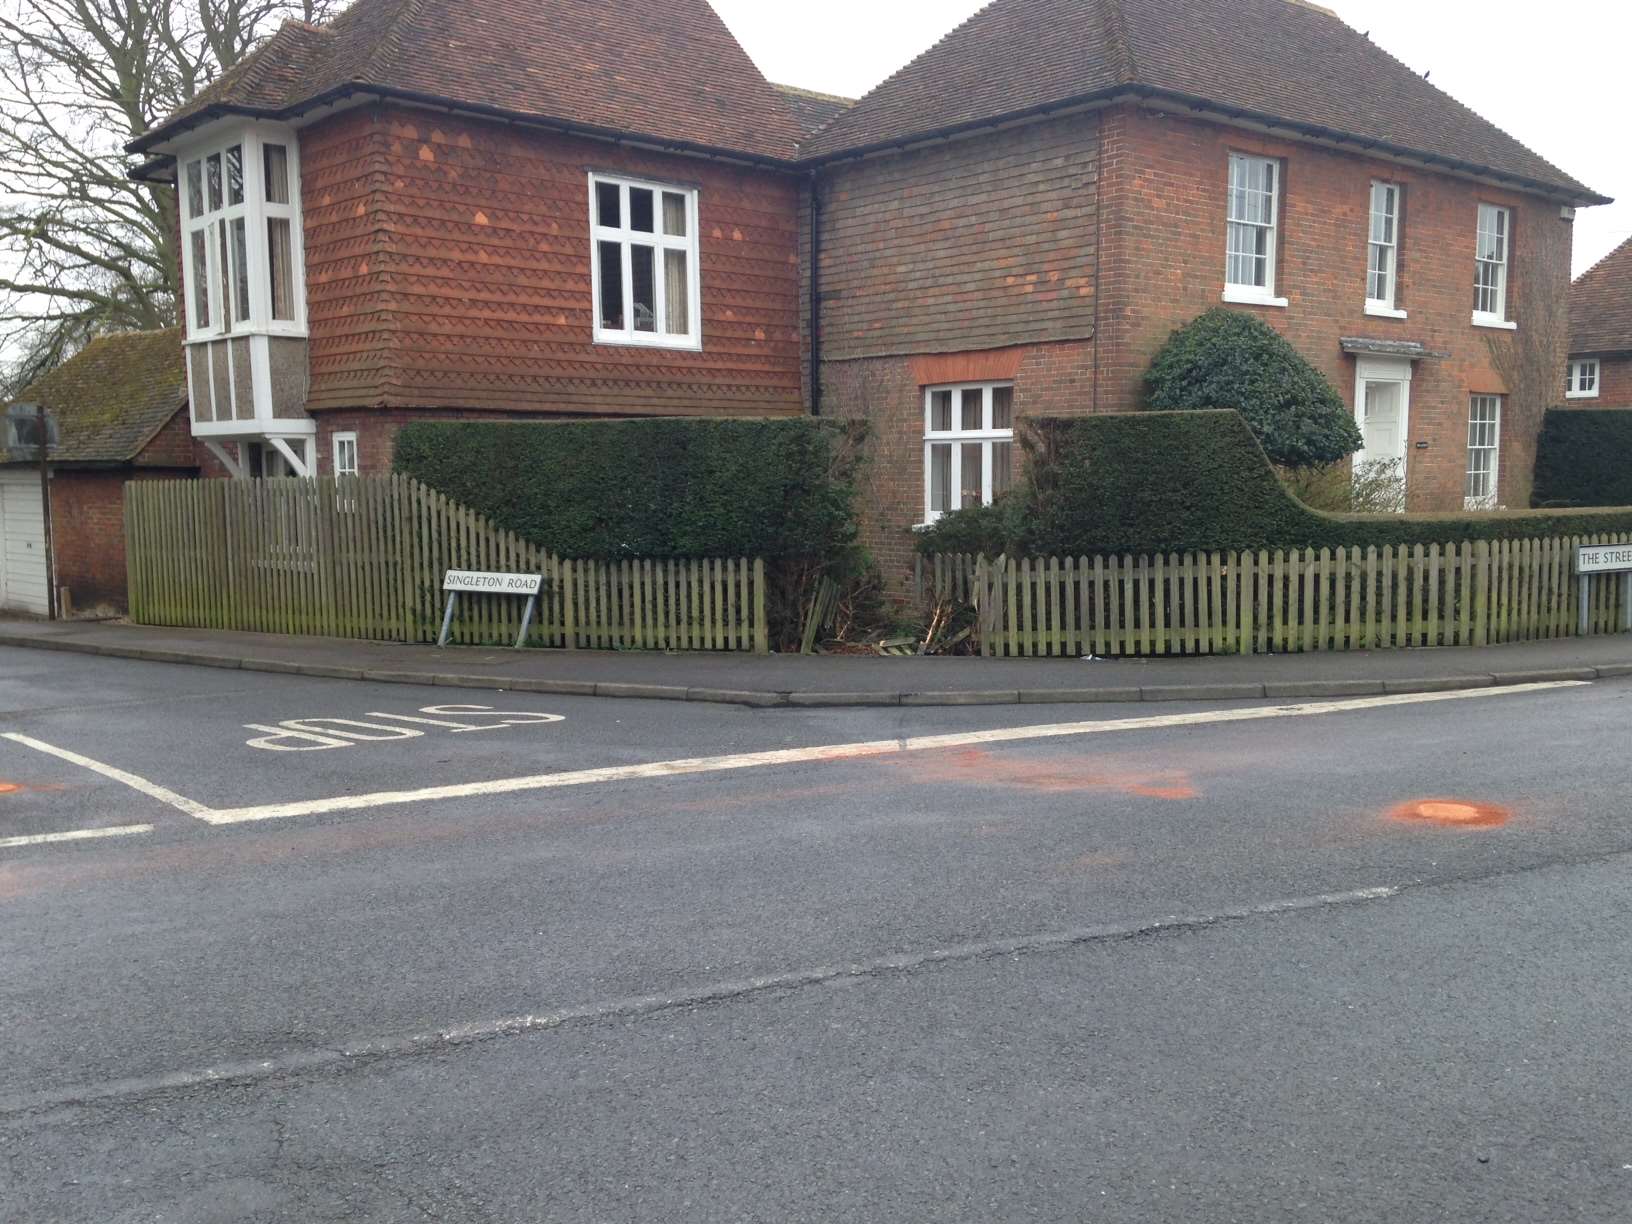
pixel 1229 359
pixel 1374 487
pixel 782 490
pixel 1582 458
pixel 1199 481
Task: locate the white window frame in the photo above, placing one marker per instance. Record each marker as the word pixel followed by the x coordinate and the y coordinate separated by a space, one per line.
pixel 692 339
pixel 1584 378
pixel 340 442
pixel 1477 445
pixel 1499 228
pixel 1384 306
pixel 254 211
pixel 1234 291
pixel 957 437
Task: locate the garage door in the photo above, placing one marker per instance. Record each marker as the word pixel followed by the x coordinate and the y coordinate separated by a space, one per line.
pixel 22 543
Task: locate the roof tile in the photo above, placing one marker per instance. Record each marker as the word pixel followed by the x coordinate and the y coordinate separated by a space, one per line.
pixel 1601 305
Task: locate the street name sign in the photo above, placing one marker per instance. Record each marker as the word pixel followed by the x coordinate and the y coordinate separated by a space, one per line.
pixel 480 582
pixel 475 582
pixel 1593 559
pixel 1603 559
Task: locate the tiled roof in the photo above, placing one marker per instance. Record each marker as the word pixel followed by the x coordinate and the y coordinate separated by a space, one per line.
pixel 813 111
pixel 664 69
pixel 1601 305
pixel 1280 60
pixel 113 396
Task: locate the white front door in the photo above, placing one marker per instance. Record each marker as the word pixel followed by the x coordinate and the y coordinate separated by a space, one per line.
pixel 22 542
pixel 1382 420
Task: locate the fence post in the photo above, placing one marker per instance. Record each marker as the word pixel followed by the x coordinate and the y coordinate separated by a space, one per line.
pixel 762 644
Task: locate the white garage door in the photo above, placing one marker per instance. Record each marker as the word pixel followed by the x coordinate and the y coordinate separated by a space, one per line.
pixel 22 542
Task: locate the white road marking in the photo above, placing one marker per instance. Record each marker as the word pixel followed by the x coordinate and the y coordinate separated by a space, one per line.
pixel 756 760
pixel 151 789
pixel 40 839
pixel 640 1007
pixel 840 752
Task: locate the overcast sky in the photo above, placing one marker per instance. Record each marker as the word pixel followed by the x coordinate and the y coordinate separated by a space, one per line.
pixel 1554 75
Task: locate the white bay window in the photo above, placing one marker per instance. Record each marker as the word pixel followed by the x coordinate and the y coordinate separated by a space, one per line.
pixel 968 446
pixel 242 249
pixel 644 263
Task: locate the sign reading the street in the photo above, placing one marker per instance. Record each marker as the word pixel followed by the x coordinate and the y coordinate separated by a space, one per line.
pixel 1604 559
pixel 474 582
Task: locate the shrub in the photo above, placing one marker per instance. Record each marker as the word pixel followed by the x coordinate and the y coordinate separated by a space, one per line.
pixel 1374 487
pixel 1584 458
pixel 1230 359
pixel 1197 481
pixel 783 490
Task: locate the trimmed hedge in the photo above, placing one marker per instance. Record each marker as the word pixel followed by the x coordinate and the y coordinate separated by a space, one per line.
pixel 1584 458
pixel 1146 482
pixel 1232 359
pixel 782 490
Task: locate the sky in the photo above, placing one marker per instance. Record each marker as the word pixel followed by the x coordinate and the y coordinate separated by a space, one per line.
pixel 1555 76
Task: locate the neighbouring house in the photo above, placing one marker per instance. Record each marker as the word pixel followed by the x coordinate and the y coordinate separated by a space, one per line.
pixel 120 405
pixel 1599 374
pixel 564 210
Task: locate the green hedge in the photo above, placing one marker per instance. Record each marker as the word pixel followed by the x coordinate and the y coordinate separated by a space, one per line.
pixel 782 490
pixel 1584 458
pixel 1181 481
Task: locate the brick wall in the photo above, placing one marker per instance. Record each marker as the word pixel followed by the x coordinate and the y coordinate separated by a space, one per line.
pixel 1164 180
pixel 957 250
pixel 448 266
pixel 1614 384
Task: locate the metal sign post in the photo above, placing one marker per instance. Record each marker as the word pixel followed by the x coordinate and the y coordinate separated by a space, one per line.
pixel 1593 559
pixel 472 582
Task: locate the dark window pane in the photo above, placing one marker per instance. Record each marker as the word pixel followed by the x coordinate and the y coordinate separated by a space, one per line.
pixel 972 408
pixel 212 174
pixel 971 482
pixel 676 293
pixel 1002 407
pixel 940 411
pixel 240 266
pixel 279 267
pixel 235 174
pixel 224 274
pixel 674 214
pixel 275 159
pixel 201 281
pixel 1002 459
pixel 643 283
pixel 607 211
pixel 195 188
pixel 612 286
pixel 940 477
pixel 640 210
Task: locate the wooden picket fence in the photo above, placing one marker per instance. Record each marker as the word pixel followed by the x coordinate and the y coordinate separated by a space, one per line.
pixel 1465 594
pixel 364 557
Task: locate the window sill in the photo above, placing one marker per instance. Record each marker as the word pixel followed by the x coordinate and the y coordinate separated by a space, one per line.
pixel 922 526
pixel 1480 320
pixel 682 344
pixel 1249 297
pixel 1580 395
pixel 1381 311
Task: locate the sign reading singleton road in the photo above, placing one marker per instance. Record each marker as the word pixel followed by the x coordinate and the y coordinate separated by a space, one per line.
pixel 476 582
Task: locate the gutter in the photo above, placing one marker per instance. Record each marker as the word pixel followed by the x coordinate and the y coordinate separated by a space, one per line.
pixel 1190 102
pixel 341 93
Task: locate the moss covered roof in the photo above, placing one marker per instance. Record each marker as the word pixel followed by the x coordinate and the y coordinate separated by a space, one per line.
pixel 112 397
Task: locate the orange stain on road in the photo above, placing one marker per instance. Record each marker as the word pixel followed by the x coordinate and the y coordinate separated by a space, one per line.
pixel 9 788
pixel 979 767
pixel 1461 812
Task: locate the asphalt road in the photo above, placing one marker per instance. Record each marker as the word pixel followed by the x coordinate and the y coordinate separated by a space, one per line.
pixel 1191 966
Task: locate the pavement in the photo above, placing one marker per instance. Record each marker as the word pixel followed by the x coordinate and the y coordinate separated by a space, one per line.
pixel 284 947
pixel 842 680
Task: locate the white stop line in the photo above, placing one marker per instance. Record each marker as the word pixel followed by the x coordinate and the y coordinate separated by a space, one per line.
pixel 755 760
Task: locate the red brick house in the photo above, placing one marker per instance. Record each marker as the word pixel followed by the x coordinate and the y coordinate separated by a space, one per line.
pixel 462 207
pixel 121 410
pixel 1600 368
